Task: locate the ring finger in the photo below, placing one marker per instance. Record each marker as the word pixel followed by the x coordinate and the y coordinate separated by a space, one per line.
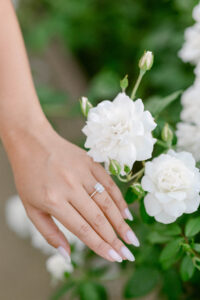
pixel 112 212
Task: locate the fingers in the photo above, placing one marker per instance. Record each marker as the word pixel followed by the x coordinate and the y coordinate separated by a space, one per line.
pixel 46 226
pixel 112 212
pixel 102 176
pixel 97 220
pixel 72 220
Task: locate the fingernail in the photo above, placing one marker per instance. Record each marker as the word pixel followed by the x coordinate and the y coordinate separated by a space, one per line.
pixel 64 253
pixel 127 253
pixel 128 214
pixel 132 238
pixel 114 255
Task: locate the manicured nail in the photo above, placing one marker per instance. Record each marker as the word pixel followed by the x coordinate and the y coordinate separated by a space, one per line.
pixel 64 253
pixel 114 255
pixel 127 253
pixel 132 238
pixel 128 214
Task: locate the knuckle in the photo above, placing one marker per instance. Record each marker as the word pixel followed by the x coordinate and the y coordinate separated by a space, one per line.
pixel 107 204
pixel 122 226
pixel 51 237
pixel 83 230
pixel 116 243
pixel 50 199
pixel 102 246
pixel 99 220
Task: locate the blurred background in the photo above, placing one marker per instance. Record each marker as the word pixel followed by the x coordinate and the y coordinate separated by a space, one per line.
pixel 84 47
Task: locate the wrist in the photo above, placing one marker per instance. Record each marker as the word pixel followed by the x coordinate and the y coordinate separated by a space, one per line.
pixel 19 139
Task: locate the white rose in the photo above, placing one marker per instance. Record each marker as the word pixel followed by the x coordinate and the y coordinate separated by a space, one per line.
pixel 120 130
pixel 196 13
pixel 16 217
pixel 191 104
pixel 190 51
pixel 197 73
pixel 57 266
pixel 188 138
pixel 173 185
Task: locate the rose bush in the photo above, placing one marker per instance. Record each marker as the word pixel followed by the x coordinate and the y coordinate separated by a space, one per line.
pixel 123 134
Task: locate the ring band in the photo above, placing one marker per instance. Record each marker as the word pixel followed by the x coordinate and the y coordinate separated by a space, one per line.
pixel 99 188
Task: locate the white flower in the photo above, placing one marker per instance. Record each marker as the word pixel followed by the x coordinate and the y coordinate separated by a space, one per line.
pixel 190 51
pixel 188 138
pixel 196 13
pixel 119 130
pixel 57 266
pixel 197 73
pixel 173 185
pixel 16 217
pixel 146 61
pixel 191 104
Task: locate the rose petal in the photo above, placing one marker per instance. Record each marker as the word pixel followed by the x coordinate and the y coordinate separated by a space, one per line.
pixel 152 206
pixel 164 218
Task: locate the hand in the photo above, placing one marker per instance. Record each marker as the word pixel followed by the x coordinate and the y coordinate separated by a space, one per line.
pixel 55 178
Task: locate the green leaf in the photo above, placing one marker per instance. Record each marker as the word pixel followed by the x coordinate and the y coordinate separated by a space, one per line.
pixel 157 105
pixel 172 284
pixel 130 196
pixel 187 268
pixel 98 271
pixel 158 238
pixel 124 83
pixel 170 253
pixel 192 227
pixel 143 280
pixel 196 247
pixel 62 291
pixel 92 291
pixel 172 229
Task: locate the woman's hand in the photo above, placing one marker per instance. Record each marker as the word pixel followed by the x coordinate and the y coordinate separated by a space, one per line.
pixel 55 178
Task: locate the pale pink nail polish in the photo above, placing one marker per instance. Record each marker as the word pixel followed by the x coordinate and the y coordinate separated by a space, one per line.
pixel 64 253
pixel 114 255
pixel 132 238
pixel 128 214
pixel 127 253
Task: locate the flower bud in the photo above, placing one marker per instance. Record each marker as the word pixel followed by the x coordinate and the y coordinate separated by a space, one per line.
pixel 167 134
pixel 85 106
pixel 127 169
pixel 137 189
pixel 146 61
pixel 114 167
pixel 124 83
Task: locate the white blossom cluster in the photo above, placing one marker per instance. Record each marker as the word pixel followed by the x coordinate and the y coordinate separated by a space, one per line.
pixel 188 130
pixel 18 221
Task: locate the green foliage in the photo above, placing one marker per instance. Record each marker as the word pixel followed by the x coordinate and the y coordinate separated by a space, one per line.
pixel 107 38
pixel 192 227
pixel 143 280
pixel 111 35
pixel 92 291
pixel 130 196
pixel 172 285
pixel 187 268
pixel 171 253
pixel 65 288
pixel 157 105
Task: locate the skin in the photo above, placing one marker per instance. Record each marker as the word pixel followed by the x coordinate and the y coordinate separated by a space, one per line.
pixel 53 177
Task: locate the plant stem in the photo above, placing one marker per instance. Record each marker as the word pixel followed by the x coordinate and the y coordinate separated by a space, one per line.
pixel 141 74
pixel 129 178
